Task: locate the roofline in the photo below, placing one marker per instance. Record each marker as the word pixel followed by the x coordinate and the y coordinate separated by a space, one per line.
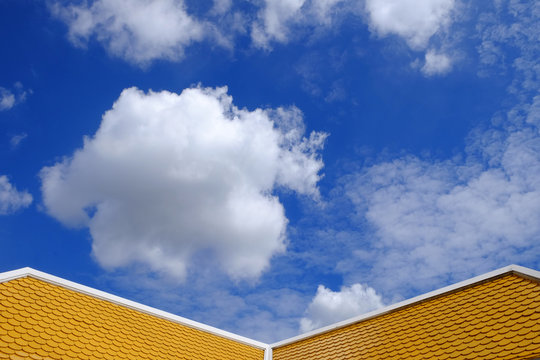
pixel 515 269
pixel 29 272
pixel 36 274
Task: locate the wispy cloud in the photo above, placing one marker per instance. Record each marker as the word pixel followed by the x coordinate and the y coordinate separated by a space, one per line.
pixel 7 99
pixel 444 220
pixel 10 98
pixel 11 199
pixel 264 312
pixel 15 140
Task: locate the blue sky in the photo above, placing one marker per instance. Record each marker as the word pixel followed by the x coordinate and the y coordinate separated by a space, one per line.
pixel 269 166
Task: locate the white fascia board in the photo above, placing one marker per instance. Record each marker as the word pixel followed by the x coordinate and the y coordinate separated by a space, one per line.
pixel 268 353
pixel 451 288
pixel 29 272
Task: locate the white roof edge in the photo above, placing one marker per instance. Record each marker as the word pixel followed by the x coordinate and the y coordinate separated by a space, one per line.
pixel 466 283
pixel 29 272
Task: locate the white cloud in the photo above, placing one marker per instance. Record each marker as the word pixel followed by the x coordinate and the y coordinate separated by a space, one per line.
pixel 436 63
pixel 141 31
pixel 414 20
pixel 7 99
pixel 447 220
pixel 221 7
pixel 10 98
pixel 171 176
pixel 11 199
pixel 323 10
pixel 16 139
pixel 137 30
pixel 265 312
pixel 329 307
pixel 440 218
pixel 278 20
pixel 507 29
pixel 274 22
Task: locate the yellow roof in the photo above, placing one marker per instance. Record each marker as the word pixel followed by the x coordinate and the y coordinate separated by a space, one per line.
pixel 493 316
pixel 498 319
pixel 39 320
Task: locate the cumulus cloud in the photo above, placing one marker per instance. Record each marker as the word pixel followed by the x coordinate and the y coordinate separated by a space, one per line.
pixel 11 199
pixel 329 307
pixel 436 63
pixel 169 177
pixel 137 30
pixel 415 21
pixel 141 31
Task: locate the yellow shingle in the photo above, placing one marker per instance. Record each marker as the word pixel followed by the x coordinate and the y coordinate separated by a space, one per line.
pixel 499 319
pixel 42 321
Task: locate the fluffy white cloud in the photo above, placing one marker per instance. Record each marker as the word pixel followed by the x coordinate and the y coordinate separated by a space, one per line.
pixel 414 20
pixel 168 177
pixel 141 31
pixel 11 199
pixel 136 30
pixel 329 307
pixel 436 63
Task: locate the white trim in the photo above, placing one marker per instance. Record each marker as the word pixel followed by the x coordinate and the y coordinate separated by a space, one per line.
pixel 29 272
pixel 466 283
pixel 268 353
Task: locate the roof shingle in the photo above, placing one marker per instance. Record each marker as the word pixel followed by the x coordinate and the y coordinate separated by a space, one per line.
pixel 42 321
pixel 498 319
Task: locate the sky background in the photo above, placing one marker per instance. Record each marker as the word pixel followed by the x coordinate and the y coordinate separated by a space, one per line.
pixel 269 166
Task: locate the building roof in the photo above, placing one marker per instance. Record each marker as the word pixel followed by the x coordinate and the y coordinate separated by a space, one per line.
pixel 496 315
pixel 45 317
pixel 499 319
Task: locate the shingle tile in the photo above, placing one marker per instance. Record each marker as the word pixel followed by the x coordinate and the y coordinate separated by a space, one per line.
pixel 42 321
pixel 499 319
